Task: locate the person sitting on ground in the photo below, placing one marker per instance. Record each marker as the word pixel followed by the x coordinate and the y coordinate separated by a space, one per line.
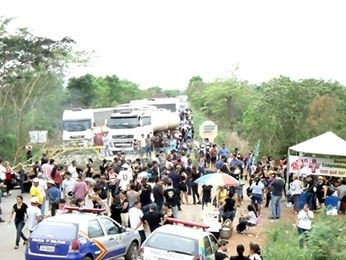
pixel 221 253
pixel 240 251
pixel 249 219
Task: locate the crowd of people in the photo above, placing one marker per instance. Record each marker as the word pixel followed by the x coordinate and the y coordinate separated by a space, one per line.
pixel 146 192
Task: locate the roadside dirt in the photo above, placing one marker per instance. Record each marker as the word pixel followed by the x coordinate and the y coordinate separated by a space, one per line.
pixel 257 234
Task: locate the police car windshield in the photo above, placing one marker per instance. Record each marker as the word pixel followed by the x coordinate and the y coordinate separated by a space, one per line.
pixel 173 243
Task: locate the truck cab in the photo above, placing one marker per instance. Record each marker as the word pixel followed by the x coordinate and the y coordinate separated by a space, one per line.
pixel 125 127
pixel 78 127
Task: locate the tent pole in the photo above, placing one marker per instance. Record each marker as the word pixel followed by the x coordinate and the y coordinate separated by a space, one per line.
pixel 299 162
pixel 288 172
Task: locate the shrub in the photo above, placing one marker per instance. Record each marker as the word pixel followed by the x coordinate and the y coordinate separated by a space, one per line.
pixel 326 240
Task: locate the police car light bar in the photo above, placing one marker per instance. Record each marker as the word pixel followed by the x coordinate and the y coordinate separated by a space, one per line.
pixel 85 210
pixel 187 223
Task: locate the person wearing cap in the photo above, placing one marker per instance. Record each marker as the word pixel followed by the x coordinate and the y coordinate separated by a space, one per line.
pixel 34 214
pixel 35 191
pixel 221 253
pixel 54 195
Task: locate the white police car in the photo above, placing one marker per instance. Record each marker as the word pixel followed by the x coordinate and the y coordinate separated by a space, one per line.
pixel 84 236
pixel 172 242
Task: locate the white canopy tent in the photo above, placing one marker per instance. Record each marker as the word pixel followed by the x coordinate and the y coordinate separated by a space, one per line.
pixel 327 144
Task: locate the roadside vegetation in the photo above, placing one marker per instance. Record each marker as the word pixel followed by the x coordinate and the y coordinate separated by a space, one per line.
pixel 279 113
pixel 326 240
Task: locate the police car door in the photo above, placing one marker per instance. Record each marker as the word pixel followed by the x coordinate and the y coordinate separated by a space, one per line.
pixel 113 239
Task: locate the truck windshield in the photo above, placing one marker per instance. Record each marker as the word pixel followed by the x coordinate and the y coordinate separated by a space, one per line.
pixel 172 107
pixel 123 122
pixel 77 125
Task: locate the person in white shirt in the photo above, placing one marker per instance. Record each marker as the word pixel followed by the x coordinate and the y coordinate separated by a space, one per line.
pixel 106 143
pixel 303 223
pixel 135 217
pixel 296 189
pixel 34 215
pixel 73 170
pixel 125 176
pixel 67 186
pixel 2 171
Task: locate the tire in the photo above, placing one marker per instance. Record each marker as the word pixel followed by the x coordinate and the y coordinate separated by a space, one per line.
pixel 87 258
pixel 132 252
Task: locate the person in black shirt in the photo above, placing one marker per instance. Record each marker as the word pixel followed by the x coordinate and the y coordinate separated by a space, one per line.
pixel 20 211
pixel 240 251
pixel 172 197
pixel 158 194
pixel 228 207
pixel 116 209
pixel 153 218
pixel 206 194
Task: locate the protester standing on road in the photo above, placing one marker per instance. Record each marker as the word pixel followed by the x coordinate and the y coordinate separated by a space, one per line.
pixel 54 196
pixel 296 190
pixel 28 153
pixel 277 188
pixel 34 215
pixel 35 191
pixel 8 177
pixel 257 188
pixel 171 196
pixel 153 218
pixel 135 216
pixel 19 209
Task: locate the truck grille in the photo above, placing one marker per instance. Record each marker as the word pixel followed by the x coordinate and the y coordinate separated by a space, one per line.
pixel 122 136
pixel 77 137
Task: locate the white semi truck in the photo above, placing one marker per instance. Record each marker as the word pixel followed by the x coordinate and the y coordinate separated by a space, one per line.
pixel 129 122
pixel 78 127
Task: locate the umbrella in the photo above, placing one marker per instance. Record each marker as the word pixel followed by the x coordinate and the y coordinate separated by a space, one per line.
pixel 217 179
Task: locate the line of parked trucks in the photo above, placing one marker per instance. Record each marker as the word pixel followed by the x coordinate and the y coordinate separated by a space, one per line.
pixel 124 123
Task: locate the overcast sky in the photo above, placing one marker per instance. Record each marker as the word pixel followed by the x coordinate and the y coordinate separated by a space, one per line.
pixel 165 43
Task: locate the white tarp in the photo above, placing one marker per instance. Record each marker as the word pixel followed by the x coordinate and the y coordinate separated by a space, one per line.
pixel 327 144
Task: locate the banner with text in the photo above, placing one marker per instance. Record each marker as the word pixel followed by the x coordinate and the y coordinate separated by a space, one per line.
pixel 318 166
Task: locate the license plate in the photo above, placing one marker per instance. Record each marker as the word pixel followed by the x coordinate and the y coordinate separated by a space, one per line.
pixel 49 249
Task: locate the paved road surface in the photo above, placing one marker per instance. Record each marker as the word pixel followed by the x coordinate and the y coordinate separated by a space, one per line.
pixel 8 231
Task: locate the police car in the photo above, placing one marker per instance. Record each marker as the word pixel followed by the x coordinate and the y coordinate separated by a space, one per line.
pixel 82 235
pixel 184 240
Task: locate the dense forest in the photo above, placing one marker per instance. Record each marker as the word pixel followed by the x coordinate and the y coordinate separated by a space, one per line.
pixel 34 92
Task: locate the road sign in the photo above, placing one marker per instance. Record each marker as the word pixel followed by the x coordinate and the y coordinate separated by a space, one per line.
pixel 208 129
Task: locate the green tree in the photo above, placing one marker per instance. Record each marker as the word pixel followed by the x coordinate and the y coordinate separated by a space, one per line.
pixel 29 66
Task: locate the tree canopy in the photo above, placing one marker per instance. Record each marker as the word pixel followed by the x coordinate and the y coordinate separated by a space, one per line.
pixel 280 112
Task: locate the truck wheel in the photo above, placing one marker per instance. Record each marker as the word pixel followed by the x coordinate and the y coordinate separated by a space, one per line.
pixel 88 258
pixel 132 252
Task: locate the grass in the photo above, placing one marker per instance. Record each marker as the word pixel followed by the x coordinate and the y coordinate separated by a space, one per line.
pixel 326 240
